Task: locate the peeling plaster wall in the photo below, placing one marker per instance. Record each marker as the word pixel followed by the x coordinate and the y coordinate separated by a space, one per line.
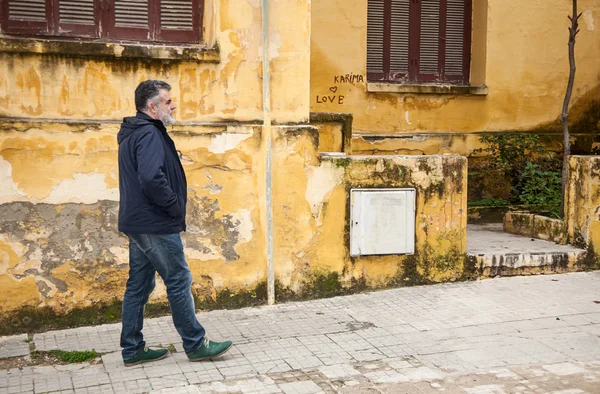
pixel 59 116
pixel 582 204
pixel 68 87
pixel 522 58
pixel 66 253
pixel 59 244
pixel 290 60
pixel 311 210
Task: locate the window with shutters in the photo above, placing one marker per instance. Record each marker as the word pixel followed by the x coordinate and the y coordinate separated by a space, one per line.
pixel 139 20
pixel 419 41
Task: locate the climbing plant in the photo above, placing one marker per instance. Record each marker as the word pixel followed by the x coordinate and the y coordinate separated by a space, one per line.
pixel 532 170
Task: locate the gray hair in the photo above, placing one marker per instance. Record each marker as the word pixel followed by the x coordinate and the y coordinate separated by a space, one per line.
pixel 148 91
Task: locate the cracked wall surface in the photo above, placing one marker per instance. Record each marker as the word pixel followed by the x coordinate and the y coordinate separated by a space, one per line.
pixel 59 244
pixel 71 87
pixel 68 254
pixel 311 208
pixel 582 206
pixel 520 53
pixel 59 116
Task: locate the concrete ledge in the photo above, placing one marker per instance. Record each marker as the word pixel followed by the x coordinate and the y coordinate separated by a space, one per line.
pixel 379 87
pixel 22 125
pixel 536 226
pixel 521 260
pixel 493 252
pixel 114 50
pixel 512 264
pixel 486 214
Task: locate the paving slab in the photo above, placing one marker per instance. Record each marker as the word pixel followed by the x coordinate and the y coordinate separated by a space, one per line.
pixel 536 334
pixel 14 346
pixel 490 238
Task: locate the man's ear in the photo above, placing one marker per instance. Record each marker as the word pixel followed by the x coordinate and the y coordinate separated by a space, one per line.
pixel 151 107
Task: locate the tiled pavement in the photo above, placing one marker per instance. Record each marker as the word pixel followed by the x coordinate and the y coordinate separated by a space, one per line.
pixel 538 334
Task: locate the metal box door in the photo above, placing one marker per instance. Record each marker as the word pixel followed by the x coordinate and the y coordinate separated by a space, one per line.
pixel 382 221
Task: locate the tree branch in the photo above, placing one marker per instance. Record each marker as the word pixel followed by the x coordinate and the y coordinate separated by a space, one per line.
pixel 573 30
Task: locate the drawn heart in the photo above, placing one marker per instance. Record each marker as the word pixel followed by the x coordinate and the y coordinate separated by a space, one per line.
pixel 333 89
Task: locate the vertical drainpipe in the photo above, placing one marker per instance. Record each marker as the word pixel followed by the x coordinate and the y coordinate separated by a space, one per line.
pixel 266 129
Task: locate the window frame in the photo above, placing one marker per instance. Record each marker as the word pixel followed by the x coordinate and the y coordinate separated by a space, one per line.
pixel 104 29
pixel 413 76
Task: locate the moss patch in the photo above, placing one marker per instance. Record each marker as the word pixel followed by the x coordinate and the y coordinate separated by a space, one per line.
pixel 74 357
pixel 423 267
pixel 227 299
pixel 592 260
pixel 409 274
pixel 53 357
pixel 31 319
pixel 320 285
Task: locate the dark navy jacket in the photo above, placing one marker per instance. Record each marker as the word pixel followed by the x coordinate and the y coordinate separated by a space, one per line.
pixel 152 183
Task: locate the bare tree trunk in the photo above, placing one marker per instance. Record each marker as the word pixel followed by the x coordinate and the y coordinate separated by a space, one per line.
pixel 573 30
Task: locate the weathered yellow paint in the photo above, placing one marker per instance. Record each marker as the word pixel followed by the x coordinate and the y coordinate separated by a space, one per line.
pixel 18 294
pixel 10 256
pixel 331 138
pixel 536 226
pixel 311 215
pixel 94 285
pixel 520 53
pixel 58 154
pixel 582 203
pixel 73 251
pixel 45 162
pixel 63 87
pixel 58 151
pixel 290 60
pixel 224 241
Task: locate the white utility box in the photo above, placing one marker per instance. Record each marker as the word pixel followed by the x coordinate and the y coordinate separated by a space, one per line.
pixel 382 221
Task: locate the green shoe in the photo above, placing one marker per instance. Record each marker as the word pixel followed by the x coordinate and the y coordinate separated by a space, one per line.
pixel 145 356
pixel 209 349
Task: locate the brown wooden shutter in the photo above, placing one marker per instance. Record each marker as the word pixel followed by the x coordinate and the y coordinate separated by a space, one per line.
pixel 429 41
pixel 399 39
pixel 179 20
pixel 444 41
pixel 419 40
pixel 131 19
pixel 458 41
pixel 27 16
pixel 376 26
pixel 78 18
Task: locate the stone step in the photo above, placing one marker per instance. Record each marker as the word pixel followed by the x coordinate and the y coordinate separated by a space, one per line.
pixel 494 252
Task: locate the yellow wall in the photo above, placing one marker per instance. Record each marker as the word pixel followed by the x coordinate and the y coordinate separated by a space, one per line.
pixel 35 85
pixel 523 61
pixel 311 211
pixel 59 117
pixel 59 245
pixel 60 248
pixel 582 202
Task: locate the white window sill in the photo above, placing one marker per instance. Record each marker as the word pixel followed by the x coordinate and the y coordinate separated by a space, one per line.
pixel 103 49
pixel 381 87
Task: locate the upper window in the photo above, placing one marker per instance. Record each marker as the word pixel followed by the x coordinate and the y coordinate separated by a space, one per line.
pixel 141 20
pixel 419 41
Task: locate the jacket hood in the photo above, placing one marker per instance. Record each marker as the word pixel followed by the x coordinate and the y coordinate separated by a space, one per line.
pixel 132 123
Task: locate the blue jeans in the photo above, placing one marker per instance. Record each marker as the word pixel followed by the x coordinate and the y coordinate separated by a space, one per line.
pixel 162 253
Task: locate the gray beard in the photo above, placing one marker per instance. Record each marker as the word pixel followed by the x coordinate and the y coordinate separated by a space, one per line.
pixel 168 120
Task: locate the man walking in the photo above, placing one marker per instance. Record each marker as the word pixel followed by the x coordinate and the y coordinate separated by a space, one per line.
pixel 153 195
